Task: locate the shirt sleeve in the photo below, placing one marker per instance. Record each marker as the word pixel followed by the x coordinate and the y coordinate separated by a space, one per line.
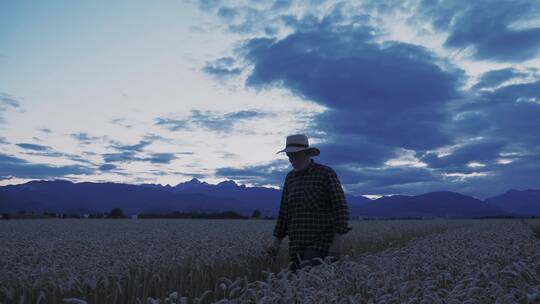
pixel 280 230
pixel 338 202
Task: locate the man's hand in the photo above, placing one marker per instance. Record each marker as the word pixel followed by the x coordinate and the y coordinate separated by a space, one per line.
pixel 273 249
pixel 336 248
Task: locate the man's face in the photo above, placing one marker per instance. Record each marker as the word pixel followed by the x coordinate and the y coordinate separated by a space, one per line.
pixel 299 160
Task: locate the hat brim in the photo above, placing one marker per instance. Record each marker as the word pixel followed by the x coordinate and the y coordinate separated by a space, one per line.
pixel 313 151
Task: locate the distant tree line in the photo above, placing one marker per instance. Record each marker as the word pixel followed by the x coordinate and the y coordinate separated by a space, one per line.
pixel 118 213
pixel 23 214
pixel 194 215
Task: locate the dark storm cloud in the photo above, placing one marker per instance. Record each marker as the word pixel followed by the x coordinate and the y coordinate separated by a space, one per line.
pixel 348 148
pixel 510 113
pixel 495 78
pixel 14 167
pixel 523 173
pixel 476 152
pixel 383 96
pixel 392 94
pixel 486 26
pixel 368 178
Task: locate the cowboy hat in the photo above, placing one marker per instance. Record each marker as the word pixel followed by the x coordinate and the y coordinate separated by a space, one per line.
pixel 299 142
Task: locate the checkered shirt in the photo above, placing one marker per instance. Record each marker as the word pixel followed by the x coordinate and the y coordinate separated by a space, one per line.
pixel 312 209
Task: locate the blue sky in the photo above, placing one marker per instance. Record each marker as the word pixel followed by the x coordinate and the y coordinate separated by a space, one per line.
pixel 400 96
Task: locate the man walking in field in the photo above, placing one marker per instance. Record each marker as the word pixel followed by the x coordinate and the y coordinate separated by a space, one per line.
pixel 313 211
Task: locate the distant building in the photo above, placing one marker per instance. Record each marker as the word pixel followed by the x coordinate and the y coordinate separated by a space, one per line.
pixel 134 217
pixel 1 216
pixel 86 215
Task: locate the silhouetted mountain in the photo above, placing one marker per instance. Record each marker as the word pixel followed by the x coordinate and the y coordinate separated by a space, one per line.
pixel 247 198
pixel 197 196
pixel 62 196
pixel 434 204
pixel 526 202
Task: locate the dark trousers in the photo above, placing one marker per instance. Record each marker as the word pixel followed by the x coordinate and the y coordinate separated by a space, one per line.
pixel 307 258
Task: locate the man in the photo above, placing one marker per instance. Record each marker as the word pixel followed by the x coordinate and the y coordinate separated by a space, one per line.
pixel 313 211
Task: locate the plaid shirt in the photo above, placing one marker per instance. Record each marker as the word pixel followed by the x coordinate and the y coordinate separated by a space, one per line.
pixel 312 209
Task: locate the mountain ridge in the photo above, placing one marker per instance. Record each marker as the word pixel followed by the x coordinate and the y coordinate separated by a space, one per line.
pixel 198 196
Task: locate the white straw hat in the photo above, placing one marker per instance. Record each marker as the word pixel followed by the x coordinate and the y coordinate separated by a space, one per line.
pixel 299 142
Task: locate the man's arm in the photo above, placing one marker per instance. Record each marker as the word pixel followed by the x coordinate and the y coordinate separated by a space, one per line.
pixel 340 210
pixel 280 230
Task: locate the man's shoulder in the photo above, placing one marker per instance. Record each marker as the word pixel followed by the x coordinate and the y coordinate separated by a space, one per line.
pixel 323 168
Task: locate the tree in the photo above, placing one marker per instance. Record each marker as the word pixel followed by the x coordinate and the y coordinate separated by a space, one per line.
pixel 117 213
pixel 256 214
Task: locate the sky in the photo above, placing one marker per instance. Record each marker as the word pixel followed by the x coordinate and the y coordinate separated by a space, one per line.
pixel 401 97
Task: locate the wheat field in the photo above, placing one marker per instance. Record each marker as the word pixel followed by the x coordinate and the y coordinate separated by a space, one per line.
pixel 220 261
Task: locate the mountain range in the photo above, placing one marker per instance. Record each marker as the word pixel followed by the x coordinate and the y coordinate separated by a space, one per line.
pixel 196 196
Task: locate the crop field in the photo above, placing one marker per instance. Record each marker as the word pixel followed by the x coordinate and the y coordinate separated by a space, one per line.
pixel 207 261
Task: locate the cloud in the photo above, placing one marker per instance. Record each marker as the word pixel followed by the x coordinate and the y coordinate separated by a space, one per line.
pixel 84 138
pixel 508 114
pixel 107 167
pixel 41 150
pixel 45 130
pixel 222 68
pixel 457 161
pixel 137 147
pixel 223 122
pixel 6 102
pixel 161 158
pixel 211 120
pixel 127 156
pixel 209 5
pixel 350 148
pixel 384 96
pixel 272 173
pixel 13 167
pixel 34 147
pixel 370 179
pixel 227 13
pixel 171 124
pixel 120 122
pixel 3 141
pixel 132 156
pixel 495 78
pixel 391 94
pixel 488 28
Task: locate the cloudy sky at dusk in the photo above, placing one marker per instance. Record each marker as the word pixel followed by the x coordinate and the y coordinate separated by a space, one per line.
pixel 401 97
